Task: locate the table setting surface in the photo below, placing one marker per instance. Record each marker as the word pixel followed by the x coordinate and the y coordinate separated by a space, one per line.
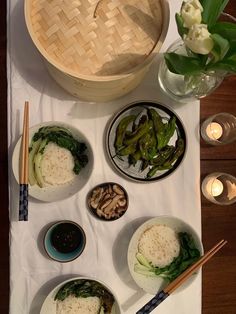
pixel 32 274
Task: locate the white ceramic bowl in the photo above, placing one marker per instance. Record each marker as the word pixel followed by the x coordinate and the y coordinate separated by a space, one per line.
pixel 49 305
pixel 56 193
pixel 153 284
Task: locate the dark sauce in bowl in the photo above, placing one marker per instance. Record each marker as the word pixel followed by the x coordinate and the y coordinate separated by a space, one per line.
pixel 66 237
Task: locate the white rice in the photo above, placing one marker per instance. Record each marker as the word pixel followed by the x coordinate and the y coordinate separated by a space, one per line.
pixel 73 305
pixel 159 245
pixel 57 165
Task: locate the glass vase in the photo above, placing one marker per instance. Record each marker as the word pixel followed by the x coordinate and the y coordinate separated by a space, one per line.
pixel 185 88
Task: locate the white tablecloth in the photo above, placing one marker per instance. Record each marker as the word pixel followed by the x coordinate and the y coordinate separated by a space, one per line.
pixel 32 274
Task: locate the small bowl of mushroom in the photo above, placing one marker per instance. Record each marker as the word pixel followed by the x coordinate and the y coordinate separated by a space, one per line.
pixel 108 201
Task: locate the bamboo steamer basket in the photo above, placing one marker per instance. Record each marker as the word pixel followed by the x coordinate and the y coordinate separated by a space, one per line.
pixel 97 50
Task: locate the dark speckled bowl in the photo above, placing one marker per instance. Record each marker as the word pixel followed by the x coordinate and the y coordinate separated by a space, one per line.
pixel 57 255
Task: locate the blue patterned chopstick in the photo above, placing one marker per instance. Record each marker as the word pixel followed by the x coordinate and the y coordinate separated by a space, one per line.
pixel 24 171
pixel 153 303
pixel 23 202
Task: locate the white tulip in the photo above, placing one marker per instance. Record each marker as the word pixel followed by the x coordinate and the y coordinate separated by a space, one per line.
pixel 198 39
pixel 191 12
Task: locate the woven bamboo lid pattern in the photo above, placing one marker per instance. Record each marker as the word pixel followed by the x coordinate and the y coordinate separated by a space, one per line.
pixel 91 37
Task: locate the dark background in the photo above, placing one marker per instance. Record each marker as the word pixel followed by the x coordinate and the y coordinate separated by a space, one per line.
pixel 218 222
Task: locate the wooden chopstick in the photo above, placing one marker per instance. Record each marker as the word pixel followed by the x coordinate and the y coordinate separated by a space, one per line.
pixel 25 147
pixel 161 296
pixel 190 270
pixel 24 169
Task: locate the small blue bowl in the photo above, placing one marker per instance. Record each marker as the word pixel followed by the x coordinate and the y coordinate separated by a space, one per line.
pixel 64 241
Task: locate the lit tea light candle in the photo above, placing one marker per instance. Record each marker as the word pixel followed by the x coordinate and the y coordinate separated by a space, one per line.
pixel 214 187
pixel 214 130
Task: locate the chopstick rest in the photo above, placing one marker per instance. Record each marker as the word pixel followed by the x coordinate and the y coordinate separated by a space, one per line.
pixel 161 296
pixel 24 170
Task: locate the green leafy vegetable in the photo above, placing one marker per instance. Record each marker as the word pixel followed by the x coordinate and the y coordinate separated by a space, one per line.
pixel 32 152
pixel 37 163
pixel 83 288
pixel 63 138
pixel 188 255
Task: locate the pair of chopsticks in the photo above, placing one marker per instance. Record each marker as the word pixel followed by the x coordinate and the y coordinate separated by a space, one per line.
pixel 161 296
pixel 24 166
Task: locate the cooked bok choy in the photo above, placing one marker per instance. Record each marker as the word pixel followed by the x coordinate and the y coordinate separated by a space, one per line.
pixel 188 255
pixel 62 138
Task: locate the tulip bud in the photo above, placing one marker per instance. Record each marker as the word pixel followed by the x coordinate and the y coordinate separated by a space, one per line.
pixel 198 39
pixel 191 12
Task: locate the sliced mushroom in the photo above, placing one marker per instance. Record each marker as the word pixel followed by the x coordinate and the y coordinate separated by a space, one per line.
pixel 117 189
pixel 97 192
pixel 122 202
pixel 112 205
pixel 98 195
pixel 104 204
pixel 110 189
pixel 99 212
pixel 93 204
pixel 106 196
pixel 109 201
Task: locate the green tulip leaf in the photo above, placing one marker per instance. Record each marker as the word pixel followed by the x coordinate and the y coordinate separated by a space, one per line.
pixel 221 47
pixel 228 65
pixel 183 65
pixel 180 25
pixel 212 10
pixel 232 49
pixel 225 29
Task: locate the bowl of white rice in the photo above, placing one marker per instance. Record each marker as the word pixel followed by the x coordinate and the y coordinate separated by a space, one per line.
pixel 55 162
pixel 158 251
pixel 81 295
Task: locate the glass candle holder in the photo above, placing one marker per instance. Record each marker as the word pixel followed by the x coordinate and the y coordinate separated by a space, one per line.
pixel 219 129
pixel 220 188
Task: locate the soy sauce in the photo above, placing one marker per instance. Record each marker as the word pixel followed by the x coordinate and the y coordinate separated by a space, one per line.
pixel 66 237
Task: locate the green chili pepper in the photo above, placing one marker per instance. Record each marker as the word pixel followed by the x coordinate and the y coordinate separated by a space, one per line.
pixel 143 144
pixel 169 130
pixel 140 119
pixel 121 129
pixel 154 169
pixel 144 165
pixel 179 150
pixel 164 131
pixel 131 160
pixel 137 155
pixel 163 156
pixel 152 149
pixel 127 150
pixel 159 126
pixel 141 130
pixel 128 133
pixel 157 120
pixel 152 152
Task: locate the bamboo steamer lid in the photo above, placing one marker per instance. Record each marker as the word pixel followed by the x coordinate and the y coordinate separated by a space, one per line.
pixel 93 39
